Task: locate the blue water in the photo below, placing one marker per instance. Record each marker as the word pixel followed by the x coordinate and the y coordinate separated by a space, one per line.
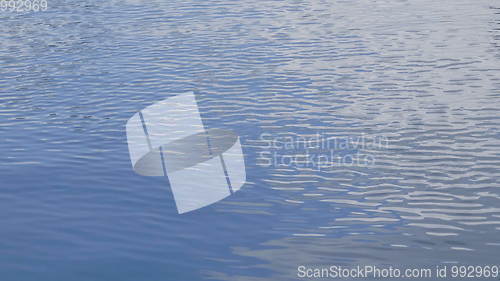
pixel 424 74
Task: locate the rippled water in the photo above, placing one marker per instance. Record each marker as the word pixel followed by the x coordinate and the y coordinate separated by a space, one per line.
pixel 424 74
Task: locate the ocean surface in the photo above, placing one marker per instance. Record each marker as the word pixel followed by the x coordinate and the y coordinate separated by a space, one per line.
pixel 422 75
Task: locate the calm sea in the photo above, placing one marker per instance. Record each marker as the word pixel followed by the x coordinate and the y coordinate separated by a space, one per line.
pixel 423 75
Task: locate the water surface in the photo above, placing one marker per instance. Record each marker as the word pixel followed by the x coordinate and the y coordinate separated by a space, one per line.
pixel 424 74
